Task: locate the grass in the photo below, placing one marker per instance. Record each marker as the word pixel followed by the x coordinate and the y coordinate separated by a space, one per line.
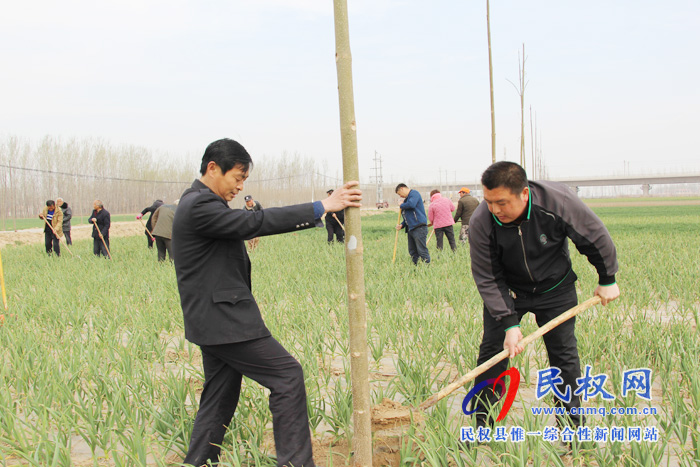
pixel 95 368
pixel 640 199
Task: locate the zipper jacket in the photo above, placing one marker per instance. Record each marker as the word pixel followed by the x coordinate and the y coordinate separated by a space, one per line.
pixel 440 211
pixel 532 257
pixel 413 211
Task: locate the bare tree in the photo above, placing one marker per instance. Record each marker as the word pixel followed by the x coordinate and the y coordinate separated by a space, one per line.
pixel 520 88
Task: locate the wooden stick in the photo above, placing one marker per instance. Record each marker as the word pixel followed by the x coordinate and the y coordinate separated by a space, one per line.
pixel 94 221
pixel 341 224
pixel 430 236
pixel 432 400
pixel 59 238
pixel 147 231
pixel 2 285
pixel 396 240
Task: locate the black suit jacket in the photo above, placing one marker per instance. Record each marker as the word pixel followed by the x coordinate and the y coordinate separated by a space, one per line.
pixel 152 209
pixel 212 264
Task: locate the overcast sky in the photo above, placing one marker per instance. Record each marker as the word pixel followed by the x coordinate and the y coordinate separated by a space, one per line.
pixel 613 84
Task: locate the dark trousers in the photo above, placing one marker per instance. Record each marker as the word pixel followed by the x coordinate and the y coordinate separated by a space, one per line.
pixel 148 237
pixel 52 243
pixel 337 230
pixel 98 248
pixel 417 244
pixel 263 360
pixel 66 233
pixel 560 343
pixel 163 245
pixel 447 232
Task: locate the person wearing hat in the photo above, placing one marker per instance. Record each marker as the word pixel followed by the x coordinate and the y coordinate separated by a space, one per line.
pixel 465 208
pixel 334 224
pixel 252 205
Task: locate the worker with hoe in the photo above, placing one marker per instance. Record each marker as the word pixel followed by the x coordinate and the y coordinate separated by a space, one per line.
pixel 101 221
pixel 334 224
pixel 520 262
pixel 52 227
pixel 252 205
pixel 67 216
pixel 465 208
pixel 221 316
pixel 415 222
pixel 149 224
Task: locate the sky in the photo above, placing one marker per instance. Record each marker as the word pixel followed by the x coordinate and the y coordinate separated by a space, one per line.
pixel 612 85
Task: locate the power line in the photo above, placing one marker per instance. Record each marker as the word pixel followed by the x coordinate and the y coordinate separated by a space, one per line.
pixel 141 180
pixel 95 177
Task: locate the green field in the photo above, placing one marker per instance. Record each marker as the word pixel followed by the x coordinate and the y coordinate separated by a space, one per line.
pixel 95 369
pixel 641 199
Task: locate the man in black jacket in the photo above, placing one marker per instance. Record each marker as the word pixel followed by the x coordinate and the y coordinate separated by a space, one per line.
pixel 100 219
pixel 149 225
pixel 221 316
pixel 334 224
pixel 252 205
pixel 520 262
pixel 67 216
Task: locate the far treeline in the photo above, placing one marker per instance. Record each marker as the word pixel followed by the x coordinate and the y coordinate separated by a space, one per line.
pixel 128 178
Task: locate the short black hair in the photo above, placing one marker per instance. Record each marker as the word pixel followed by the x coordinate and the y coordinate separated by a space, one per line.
pixel 227 154
pixel 50 203
pixel 505 174
pixel 434 192
pixel 400 185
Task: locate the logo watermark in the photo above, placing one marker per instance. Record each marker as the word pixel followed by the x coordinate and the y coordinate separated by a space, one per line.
pixel 589 386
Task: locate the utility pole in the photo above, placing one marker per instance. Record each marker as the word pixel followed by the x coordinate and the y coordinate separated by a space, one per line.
pixel 493 109
pixel 378 177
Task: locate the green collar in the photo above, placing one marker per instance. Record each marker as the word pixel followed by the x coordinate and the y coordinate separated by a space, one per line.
pixel 529 207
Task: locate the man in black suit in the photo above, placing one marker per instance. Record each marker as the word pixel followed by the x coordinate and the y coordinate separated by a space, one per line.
pixel 221 315
pixel 334 224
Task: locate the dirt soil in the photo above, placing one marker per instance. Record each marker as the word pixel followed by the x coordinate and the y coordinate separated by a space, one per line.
pixel 78 232
pixel 82 232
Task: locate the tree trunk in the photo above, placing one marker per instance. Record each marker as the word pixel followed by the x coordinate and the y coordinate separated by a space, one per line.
pixel 359 364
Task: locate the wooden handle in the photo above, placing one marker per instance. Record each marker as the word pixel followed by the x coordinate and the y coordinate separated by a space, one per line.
pixel 432 400
pixel 341 224
pixel 147 231
pixel 56 234
pixel 396 239
pixel 2 284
